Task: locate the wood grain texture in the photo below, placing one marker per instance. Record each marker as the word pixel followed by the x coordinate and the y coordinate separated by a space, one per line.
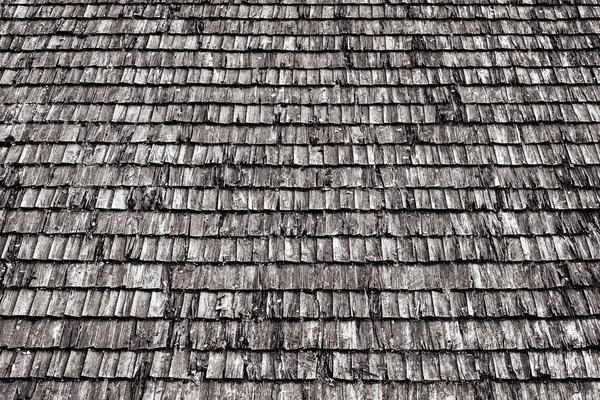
pixel 354 199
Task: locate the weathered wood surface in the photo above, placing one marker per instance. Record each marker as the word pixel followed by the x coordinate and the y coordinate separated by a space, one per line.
pixel 299 199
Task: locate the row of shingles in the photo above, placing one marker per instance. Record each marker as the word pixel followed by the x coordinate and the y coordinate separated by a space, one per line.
pixel 298 96
pixel 298 177
pixel 259 224
pixel 302 155
pixel 304 365
pixel 433 77
pixel 407 2
pixel 305 249
pixel 289 304
pixel 300 60
pixel 300 114
pixel 306 277
pixel 256 200
pixel 367 334
pixel 347 335
pixel 298 11
pixel 325 105
pixel 290 199
pixel 163 389
pixel 211 134
pixel 497 390
pixel 399 26
pixel 177 25
pixel 480 104
pixel 321 43
pixel 301 250
pixel 98 389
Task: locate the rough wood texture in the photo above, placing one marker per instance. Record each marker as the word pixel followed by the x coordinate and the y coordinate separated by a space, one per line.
pixel 357 199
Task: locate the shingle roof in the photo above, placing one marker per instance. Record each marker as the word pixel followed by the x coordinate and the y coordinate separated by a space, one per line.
pixel 299 199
